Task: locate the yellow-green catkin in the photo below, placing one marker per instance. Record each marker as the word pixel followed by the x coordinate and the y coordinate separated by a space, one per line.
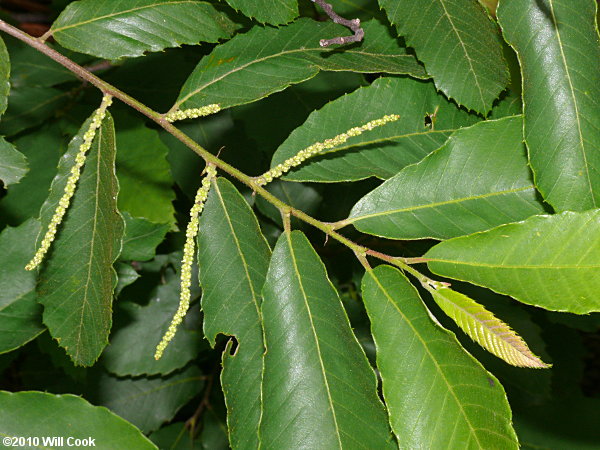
pixel 319 147
pixel 187 261
pixel 192 113
pixel 71 185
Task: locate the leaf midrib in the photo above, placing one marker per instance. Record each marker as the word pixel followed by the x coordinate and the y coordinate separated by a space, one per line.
pixel 127 11
pixel 314 333
pixel 436 204
pixel 497 266
pixel 85 301
pixel 276 55
pixel 575 104
pixel 466 52
pixel 433 359
pixel 238 246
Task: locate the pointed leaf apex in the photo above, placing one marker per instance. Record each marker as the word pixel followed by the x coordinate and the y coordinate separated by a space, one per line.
pixel 486 329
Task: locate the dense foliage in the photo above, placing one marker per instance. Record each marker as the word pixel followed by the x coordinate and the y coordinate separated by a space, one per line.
pixel 238 235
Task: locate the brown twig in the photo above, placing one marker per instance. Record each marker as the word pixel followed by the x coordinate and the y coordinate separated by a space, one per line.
pixel 353 25
pixel 107 88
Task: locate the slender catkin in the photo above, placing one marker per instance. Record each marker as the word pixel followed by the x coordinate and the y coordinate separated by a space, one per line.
pixel 71 185
pixel 193 113
pixel 187 261
pixel 318 147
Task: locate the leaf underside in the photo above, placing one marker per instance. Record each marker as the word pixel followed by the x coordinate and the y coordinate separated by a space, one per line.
pixel 547 261
pixel 479 179
pixel 317 384
pixel 558 49
pixel 76 286
pixel 256 64
pixel 437 395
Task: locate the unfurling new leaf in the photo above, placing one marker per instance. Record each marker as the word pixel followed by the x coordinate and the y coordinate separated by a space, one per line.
pixel 486 329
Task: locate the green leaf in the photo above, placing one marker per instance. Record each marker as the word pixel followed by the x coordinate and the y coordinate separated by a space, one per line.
pixel 20 314
pixel 30 67
pixel 133 341
pixel 177 436
pixel 267 11
pixel 383 151
pixel 297 195
pixel 437 395
pixel 479 179
pixel 30 107
pixel 485 328
pixel 144 174
pixel 77 281
pixel 362 9
pixel 148 402
pixel 558 49
pixel 126 275
pixel 459 45
pixel 123 28
pixel 267 60
pixel 41 414
pixel 547 261
pixel 233 257
pixel 269 128
pixel 4 77
pixel 141 238
pixel 42 150
pixel 13 164
pixel 317 385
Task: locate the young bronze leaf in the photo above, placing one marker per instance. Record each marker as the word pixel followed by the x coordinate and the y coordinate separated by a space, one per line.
pixel 77 279
pixel 486 329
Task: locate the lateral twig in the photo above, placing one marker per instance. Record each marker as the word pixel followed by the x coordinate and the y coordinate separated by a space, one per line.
pixel 107 88
pixel 353 25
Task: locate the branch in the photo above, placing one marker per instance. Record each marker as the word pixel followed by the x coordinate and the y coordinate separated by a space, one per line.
pixel 160 119
pixel 353 25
